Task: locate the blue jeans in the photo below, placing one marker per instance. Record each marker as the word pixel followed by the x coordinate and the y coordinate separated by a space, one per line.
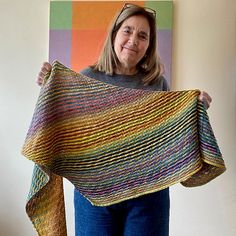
pixel 143 216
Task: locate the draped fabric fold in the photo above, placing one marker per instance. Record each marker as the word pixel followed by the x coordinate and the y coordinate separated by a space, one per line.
pixel 45 206
pixel 113 144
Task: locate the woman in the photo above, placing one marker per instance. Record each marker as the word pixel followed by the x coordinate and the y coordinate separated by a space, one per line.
pixel 129 59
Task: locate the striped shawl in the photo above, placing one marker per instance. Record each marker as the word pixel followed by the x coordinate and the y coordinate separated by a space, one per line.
pixel 113 144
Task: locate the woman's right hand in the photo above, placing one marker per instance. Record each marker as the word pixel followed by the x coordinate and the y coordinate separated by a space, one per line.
pixel 46 68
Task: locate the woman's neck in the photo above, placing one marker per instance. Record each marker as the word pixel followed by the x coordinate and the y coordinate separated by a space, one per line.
pixel 126 70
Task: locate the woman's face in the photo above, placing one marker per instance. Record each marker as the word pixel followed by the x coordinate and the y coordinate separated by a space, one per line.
pixel 131 42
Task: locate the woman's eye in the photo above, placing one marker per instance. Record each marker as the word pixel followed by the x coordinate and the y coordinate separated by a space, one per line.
pixel 143 37
pixel 127 31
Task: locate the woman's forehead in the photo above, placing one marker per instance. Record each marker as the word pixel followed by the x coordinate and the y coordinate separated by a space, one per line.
pixel 139 22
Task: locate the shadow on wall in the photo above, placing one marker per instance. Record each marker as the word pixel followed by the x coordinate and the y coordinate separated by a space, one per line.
pixel 7 228
pixel 13 226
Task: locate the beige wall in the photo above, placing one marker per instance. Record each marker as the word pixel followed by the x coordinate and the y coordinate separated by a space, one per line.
pixel 204 56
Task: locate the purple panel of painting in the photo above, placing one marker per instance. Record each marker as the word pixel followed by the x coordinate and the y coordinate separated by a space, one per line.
pixel 60 46
pixel 164 44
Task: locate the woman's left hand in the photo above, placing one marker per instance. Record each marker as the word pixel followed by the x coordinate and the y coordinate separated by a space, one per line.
pixel 205 98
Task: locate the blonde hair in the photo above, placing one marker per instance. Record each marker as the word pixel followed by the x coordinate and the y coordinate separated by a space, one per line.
pixel 150 64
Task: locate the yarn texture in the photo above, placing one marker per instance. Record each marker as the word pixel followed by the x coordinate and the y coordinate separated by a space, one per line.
pixel 113 144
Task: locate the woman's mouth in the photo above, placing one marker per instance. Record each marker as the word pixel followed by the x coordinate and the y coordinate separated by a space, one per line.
pixel 130 49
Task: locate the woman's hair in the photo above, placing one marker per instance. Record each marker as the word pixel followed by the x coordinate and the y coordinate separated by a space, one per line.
pixel 150 64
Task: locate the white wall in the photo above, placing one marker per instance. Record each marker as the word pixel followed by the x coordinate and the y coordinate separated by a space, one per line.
pixel 23 46
pixel 204 56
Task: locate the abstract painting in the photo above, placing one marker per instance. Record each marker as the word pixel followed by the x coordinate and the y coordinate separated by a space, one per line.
pixel 78 30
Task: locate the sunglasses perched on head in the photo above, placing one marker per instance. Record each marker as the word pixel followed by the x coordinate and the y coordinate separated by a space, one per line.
pixel 150 11
pixel 147 9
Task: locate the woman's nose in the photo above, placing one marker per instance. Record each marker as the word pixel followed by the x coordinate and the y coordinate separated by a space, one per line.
pixel 133 40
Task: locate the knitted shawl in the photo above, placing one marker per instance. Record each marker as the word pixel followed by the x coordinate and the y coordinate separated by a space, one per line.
pixel 113 144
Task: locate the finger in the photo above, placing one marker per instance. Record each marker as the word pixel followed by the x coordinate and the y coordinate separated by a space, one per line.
pixel 40 78
pixel 209 99
pixel 44 70
pixel 205 99
pixel 39 81
pixel 47 66
pixel 42 74
pixel 206 96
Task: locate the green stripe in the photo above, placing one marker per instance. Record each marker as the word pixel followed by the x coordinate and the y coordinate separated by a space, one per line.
pixel 164 10
pixel 61 15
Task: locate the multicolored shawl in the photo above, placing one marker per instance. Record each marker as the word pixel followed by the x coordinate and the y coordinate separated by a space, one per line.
pixel 113 144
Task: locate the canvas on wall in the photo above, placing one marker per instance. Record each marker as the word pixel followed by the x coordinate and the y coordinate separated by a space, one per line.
pixel 78 30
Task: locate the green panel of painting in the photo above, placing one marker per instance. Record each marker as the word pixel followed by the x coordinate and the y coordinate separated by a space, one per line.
pixel 61 15
pixel 164 13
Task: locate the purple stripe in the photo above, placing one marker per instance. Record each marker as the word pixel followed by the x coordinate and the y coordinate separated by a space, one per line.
pixel 165 50
pixel 60 46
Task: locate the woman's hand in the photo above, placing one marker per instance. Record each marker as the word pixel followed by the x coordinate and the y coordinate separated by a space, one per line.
pixel 46 68
pixel 205 98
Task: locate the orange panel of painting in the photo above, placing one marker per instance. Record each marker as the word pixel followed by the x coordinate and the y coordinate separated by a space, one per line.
pixel 90 23
pixel 96 15
pixel 86 47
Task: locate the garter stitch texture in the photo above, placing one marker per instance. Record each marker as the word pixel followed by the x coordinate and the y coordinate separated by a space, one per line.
pixel 113 144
